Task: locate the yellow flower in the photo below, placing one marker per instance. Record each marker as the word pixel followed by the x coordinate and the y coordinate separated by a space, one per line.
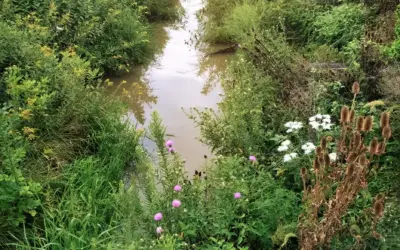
pixel 28 130
pixel 26 114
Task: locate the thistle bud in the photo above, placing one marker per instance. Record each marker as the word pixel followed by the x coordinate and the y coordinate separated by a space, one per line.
pixel 344 114
pixel 373 146
pixel 360 123
pixel 351 116
pixel 323 143
pixel 356 88
pixel 350 169
pixel 387 132
pixel 384 119
pixel 318 150
pixel 352 157
pixel 368 123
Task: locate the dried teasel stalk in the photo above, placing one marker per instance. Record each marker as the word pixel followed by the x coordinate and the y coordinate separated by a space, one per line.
pixel 322 219
pixel 385 117
pixel 368 123
pixel 355 88
pixel 323 143
pixel 344 114
pixel 387 132
pixel 373 146
pixel 360 123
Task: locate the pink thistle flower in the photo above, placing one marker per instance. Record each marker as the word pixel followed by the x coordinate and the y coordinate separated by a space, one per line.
pixel 158 216
pixel 168 143
pixel 177 188
pixel 176 203
pixel 252 158
pixel 237 195
pixel 159 230
pixel 171 150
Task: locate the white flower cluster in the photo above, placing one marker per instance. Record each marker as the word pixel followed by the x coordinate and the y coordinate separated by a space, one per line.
pixel 308 148
pixel 333 157
pixel 321 121
pixel 293 126
pixel 289 157
pixel 284 146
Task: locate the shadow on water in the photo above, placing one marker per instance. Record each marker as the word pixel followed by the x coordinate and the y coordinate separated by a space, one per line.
pixel 182 76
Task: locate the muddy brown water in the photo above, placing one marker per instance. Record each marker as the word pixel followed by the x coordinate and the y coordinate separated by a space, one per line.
pixel 182 76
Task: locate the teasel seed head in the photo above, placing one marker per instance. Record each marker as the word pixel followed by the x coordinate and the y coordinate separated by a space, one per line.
pixel 378 209
pixel 360 123
pixel 356 140
pixel 303 172
pixel 352 157
pixel 318 150
pixel 363 149
pixel 316 164
pixel 381 148
pixel 350 169
pixel 344 114
pixel 323 143
pixel 373 146
pixel 363 160
pixel 385 117
pixel 321 160
pixel 368 123
pixel 351 116
pixel 356 88
pixel 327 160
pixel 387 132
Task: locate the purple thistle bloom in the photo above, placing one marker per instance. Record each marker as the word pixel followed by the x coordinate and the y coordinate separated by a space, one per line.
pixel 159 230
pixel 252 158
pixel 177 188
pixel 237 195
pixel 158 216
pixel 176 203
pixel 168 143
pixel 171 150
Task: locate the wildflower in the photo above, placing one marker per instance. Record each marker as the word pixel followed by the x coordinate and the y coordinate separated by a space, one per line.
pixel 177 188
pixel 320 121
pixel 176 203
pixel 158 216
pixel 159 230
pixel 289 157
pixel 171 150
pixel 252 158
pixel 293 126
pixel 282 148
pixel 308 148
pixel 285 143
pixel 168 143
pixel 237 195
pixel 333 157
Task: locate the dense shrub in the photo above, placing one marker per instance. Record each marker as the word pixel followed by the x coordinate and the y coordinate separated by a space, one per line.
pixel 340 25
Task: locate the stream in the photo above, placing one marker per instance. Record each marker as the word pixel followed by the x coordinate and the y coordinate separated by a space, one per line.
pixel 180 77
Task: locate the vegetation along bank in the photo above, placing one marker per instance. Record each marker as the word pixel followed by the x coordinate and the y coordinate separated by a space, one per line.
pixel 305 139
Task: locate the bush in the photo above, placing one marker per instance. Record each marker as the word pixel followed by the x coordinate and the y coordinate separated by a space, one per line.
pixel 341 25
